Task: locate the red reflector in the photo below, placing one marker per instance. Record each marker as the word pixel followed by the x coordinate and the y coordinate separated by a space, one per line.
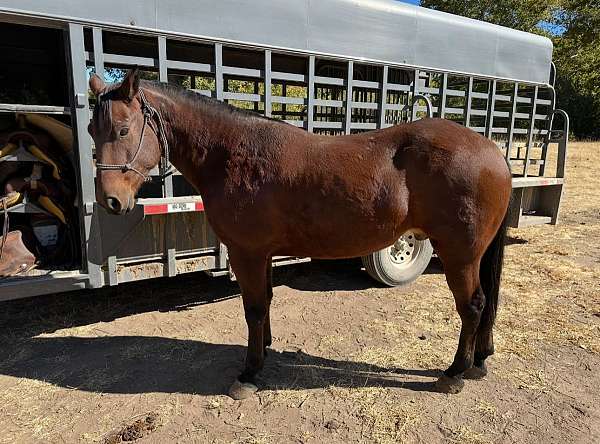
pixel 156 209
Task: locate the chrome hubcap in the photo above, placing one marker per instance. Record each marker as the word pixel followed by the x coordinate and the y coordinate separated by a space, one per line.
pixel 402 252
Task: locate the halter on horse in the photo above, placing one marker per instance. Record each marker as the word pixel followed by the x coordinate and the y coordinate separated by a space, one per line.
pixel 150 115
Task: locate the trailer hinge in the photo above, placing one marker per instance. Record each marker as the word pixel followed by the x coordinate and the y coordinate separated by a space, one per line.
pixel 89 208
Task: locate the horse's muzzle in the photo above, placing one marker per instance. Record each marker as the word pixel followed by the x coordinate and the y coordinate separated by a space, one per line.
pixel 115 206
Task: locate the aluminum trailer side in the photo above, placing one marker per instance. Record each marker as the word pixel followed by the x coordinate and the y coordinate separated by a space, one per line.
pixel 301 62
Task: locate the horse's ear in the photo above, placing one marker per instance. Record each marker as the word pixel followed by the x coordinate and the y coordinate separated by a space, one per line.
pixel 97 85
pixel 130 84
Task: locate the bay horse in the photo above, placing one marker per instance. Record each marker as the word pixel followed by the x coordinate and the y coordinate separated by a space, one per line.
pixel 270 188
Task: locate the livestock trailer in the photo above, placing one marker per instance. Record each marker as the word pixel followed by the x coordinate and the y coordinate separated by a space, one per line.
pixel 330 67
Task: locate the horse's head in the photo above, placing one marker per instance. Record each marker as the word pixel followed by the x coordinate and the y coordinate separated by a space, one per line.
pixel 126 134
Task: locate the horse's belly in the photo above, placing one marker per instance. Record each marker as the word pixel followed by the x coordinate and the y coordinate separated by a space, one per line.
pixel 344 233
pixel 338 248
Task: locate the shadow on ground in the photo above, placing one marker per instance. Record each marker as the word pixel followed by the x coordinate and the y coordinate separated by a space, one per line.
pixel 136 364
pixel 513 240
pixel 45 314
pixel 141 364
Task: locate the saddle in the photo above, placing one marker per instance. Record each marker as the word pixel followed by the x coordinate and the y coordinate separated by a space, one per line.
pixel 49 194
pixel 15 256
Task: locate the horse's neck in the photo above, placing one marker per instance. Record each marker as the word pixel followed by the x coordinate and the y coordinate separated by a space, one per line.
pixel 199 138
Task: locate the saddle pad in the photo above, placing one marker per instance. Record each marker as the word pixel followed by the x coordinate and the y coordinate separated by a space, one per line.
pixel 63 134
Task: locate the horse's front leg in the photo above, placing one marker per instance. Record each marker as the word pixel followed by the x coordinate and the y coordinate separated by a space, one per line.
pixel 251 272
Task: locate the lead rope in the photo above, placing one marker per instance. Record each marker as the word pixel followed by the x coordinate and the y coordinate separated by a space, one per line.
pixel 149 112
pixel 160 132
pixel 4 202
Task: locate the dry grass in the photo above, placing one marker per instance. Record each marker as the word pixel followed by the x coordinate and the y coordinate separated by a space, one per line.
pixel 384 420
pixel 262 438
pixel 552 284
pixel 465 435
pixel 486 409
pixel 423 340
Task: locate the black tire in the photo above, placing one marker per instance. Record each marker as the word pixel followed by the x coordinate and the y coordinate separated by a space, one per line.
pixel 401 263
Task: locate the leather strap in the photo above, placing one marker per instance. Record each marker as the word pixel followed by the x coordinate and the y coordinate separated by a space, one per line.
pixel 6 225
pixel 150 113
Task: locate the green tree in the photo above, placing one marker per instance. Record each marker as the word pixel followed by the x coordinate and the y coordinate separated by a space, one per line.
pixel 524 15
pixel 577 55
pixel 580 17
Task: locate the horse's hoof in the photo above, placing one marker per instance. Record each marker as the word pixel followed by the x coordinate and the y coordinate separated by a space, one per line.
pixel 475 372
pixel 449 384
pixel 242 390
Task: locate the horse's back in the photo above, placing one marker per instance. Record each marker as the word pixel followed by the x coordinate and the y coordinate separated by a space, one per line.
pixel 346 196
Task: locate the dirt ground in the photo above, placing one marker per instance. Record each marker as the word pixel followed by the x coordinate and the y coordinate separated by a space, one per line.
pixel 351 361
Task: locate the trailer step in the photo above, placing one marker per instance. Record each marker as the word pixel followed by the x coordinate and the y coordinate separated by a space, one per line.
pixel 17 287
pixel 535 202
pixel 530 221
pixel 524 182
pixel 279 261
pixel 518 162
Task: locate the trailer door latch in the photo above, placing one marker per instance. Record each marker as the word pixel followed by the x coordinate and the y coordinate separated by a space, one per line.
pixel 81 100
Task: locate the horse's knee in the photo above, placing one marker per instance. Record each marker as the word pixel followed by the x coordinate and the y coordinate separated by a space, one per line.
pixel 255 315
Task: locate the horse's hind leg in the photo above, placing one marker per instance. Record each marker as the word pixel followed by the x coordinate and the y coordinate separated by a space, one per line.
pixel 484 344
pixel 463 280
pixel 267 339
pixel 251 273
pixel 484 347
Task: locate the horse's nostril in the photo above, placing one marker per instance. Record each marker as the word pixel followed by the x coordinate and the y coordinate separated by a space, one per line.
pixel 113 204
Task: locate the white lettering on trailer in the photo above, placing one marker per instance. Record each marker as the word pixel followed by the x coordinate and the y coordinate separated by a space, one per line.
pixel 181 207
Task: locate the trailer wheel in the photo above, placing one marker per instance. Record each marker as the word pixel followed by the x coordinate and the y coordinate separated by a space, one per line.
pixel 401 263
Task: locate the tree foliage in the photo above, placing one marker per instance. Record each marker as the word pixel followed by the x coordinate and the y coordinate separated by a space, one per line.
pixel 518 14
pixel 576 24
pixel 577 55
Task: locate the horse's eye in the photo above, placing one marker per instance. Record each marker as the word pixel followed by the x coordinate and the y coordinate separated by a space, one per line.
pixel 124 132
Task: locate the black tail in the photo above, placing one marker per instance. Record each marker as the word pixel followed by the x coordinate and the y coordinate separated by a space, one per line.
pixel 490 271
